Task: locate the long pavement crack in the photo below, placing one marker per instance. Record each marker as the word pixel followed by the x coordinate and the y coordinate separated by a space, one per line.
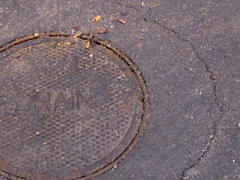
pixel 211 76
pixel 213 79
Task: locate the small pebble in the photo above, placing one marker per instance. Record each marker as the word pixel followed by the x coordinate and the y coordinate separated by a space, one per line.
pixel 91 55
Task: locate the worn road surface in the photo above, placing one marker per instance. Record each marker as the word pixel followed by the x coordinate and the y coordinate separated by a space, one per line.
pixel 189 55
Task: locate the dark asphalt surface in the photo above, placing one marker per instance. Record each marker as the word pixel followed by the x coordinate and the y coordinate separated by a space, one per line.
pixel 189 54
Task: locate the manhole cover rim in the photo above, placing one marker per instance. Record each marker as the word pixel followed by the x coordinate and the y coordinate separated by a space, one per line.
pixel 135 134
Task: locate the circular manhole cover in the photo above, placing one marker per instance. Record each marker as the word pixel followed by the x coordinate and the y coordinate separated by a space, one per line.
pixel 66 111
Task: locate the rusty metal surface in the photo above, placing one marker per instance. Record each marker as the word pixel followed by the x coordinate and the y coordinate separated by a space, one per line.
pixel 66 111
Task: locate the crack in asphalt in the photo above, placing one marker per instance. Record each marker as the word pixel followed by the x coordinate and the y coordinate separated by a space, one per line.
pixel 211 76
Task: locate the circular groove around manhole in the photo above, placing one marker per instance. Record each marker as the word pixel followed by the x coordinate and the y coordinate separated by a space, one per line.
pixel 67 111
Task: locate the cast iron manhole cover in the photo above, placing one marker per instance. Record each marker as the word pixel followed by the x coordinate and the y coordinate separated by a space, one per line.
pixel 66 111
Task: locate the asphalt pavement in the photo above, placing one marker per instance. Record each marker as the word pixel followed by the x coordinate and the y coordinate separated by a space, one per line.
pixel 189 55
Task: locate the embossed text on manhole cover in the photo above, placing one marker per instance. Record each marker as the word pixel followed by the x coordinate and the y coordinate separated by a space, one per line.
pixel 66 110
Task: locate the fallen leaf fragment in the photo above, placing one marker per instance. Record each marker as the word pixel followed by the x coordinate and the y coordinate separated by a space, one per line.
pixel 96 18
pixel 77 35
pixel 214 77
pixel 142 4
pixel 89 41
pixel 90 36
pixel 102 31
pixel 58 44
pixel 121 21
pixel 67 43
pixel 88 44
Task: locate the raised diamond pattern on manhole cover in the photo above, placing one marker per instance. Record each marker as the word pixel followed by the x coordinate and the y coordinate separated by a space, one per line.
pixel 66 111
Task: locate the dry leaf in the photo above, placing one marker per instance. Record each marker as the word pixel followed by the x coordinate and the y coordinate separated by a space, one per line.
pixel 90 36
pixel 89 41
pixel 142 4
pixel 77 35
pixel 67 43
pixel 121 21
pixel 88 44
pixel 102 31
pixel 58 43
pixel 97 18
pixel 214 77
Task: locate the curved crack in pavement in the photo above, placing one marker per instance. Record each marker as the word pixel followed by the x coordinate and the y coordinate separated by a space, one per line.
pixel 212 78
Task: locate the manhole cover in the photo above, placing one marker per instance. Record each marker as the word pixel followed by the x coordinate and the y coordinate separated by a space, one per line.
pixel 66 111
